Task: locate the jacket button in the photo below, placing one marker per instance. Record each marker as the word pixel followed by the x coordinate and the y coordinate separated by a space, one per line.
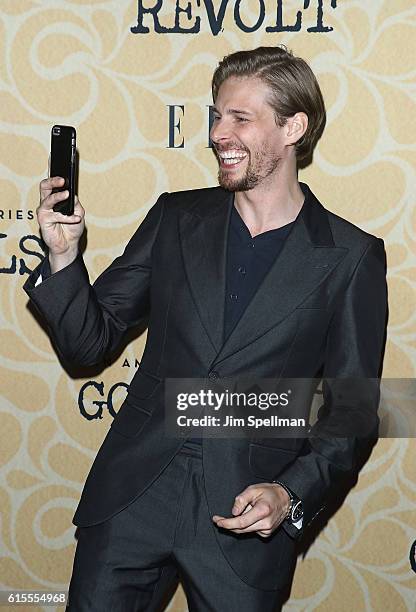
pixel 213 375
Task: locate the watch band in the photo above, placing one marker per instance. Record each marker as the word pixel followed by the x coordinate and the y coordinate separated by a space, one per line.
pixel 291 497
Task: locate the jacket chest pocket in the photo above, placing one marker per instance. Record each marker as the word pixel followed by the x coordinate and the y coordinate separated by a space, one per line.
pixel 312 324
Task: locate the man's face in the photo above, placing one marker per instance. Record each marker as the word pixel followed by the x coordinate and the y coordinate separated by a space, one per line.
pixel 247 141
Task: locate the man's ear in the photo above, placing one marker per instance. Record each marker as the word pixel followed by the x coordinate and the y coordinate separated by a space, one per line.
pixel 296 126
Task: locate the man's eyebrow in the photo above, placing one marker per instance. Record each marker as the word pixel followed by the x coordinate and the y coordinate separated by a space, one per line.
pixel 233 111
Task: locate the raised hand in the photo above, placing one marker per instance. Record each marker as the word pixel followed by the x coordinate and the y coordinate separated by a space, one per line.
pixel 61 233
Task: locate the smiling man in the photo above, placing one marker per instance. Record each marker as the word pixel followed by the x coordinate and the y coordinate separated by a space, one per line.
pixel 251 278
pixel 249 143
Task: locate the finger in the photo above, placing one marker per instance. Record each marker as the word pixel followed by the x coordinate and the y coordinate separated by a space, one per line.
pixel 217 517
pixel 259 527
pixel 265 534
pixel 66 219
pixel 78 208
pixel 257 512
pixel 53 198
pixel 248 496
pixel 46 185
pixel 263 527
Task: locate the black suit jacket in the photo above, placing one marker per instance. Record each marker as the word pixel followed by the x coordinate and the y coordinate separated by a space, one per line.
pixel 320 310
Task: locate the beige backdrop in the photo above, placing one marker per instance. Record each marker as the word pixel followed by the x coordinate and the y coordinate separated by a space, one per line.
pixel 77 63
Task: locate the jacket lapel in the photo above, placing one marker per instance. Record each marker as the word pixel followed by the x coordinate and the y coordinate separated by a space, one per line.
pixel 203 232
pixel 308 256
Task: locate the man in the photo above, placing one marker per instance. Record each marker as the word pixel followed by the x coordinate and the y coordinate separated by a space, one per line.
pixel 254 277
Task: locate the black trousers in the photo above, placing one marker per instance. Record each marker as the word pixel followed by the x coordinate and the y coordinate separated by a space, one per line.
pixel 128 562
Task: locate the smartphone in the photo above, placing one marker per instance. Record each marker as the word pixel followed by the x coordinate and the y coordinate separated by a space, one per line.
pixel 63 156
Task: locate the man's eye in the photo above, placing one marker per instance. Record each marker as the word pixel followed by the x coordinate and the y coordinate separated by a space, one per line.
pixel 216 117
pixel 242 119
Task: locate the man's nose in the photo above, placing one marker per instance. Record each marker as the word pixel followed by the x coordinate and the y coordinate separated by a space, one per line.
pixel 219 131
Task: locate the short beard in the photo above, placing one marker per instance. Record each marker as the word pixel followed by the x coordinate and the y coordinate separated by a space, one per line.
pixel 245 183
pixel 251 178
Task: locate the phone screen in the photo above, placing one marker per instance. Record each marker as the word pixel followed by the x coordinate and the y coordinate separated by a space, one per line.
pixel 63 153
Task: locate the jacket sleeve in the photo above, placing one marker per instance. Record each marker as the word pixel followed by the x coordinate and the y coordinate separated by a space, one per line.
pixel 348 418
pixel 87 323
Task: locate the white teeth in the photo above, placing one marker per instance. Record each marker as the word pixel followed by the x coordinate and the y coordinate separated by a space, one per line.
pixel 231 162
pixel 232 154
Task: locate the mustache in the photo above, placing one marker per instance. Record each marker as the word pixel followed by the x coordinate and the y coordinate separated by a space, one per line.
pixel 234 147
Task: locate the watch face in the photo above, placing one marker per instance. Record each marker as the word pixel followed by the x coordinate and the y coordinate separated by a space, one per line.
pixel 297 512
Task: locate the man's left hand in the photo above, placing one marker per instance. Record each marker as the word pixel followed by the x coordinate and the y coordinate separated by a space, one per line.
pixel 260 508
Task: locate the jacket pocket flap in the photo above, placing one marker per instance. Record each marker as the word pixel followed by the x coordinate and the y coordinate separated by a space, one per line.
pixel 144 385
pixel 129 421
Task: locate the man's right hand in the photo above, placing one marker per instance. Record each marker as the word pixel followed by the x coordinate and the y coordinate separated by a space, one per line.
pixel 61 233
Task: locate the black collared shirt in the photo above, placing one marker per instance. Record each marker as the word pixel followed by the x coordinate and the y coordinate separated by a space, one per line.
pixel 248 261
